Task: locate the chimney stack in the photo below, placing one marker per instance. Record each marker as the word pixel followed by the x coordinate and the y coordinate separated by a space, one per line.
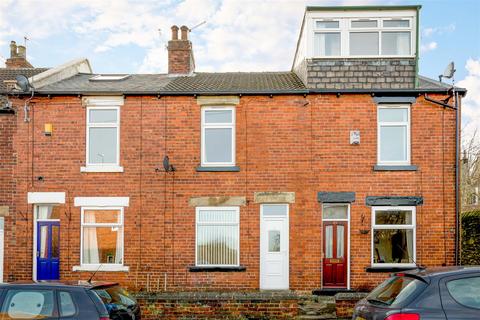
pixel 180 53
pixel 18 57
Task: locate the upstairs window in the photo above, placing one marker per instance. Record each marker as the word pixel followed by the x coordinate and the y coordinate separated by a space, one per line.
pixel 360 37
pixel 327 38
pixel 103 135
pixel 393 135
pixel 218 136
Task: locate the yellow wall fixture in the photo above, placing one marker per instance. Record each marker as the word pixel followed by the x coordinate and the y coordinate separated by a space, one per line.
pixel 48 129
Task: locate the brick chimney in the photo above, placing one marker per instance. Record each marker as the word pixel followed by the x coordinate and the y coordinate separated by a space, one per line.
pixel 180 53
pixel 18 57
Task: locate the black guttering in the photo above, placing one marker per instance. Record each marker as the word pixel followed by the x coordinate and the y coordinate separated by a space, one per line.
pixel 372 7
pixel 414 92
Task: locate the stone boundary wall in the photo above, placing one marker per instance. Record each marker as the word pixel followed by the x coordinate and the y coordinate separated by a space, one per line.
pixel 244 305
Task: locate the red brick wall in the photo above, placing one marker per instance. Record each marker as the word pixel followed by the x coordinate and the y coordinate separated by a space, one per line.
pixel 282 145
pixel 7 185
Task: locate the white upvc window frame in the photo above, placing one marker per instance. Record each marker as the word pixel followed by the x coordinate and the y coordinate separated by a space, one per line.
pixel 121 224
pixel 345 28
pixel 236 223
pixel 412 226
pixel 102 167
pixel 407 124
pixel 327 30
pixel 205 126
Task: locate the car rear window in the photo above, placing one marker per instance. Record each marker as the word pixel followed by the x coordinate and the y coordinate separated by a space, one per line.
pixel 395 290
pixel 466 291
pixel 28 304
pixel 115 295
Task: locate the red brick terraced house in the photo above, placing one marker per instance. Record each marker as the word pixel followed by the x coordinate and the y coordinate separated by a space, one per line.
pixel 327 176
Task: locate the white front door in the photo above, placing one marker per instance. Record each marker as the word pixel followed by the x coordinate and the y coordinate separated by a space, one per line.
pixel 2 223
pixel 274 243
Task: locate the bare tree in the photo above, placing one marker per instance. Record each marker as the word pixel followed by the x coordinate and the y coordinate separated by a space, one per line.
pixel 470 173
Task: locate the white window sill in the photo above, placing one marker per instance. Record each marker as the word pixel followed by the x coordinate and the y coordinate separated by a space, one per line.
pixel 112 168
pixel 104 267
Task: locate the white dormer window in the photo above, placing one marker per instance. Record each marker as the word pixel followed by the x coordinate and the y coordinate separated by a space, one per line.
pixel 327 38
pixel 362 35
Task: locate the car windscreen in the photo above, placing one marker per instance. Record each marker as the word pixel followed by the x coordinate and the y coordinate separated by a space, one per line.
pixel 395 290
pixel 115 295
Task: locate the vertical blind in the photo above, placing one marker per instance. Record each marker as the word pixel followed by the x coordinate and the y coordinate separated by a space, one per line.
pixel 217 237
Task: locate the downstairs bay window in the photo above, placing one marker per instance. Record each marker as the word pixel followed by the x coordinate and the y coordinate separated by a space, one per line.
pixel 393 236
pixel 102 237
pixel 217 236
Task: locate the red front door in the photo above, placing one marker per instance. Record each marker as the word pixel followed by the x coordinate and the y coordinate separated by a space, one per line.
pixel 335 254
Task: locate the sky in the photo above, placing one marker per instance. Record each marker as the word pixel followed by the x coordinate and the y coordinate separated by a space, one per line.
pixel 130 36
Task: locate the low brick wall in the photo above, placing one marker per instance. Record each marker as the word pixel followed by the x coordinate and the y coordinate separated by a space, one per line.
pixel 345 302
pixel 233 305
pixel 215 305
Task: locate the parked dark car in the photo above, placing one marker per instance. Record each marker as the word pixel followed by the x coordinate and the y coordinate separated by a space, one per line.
pixel 448 293
pixel 79 300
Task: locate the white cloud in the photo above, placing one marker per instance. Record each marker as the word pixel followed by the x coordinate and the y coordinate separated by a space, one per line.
pixel 430 31
pixel 428 46
pixel 471 103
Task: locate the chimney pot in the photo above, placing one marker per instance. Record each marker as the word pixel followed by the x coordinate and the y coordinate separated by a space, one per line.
pixel 184 30
pixel 13 49
pixel 174 32
pixel 18 57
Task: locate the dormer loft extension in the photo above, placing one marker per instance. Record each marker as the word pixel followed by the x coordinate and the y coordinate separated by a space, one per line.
pixel 359 47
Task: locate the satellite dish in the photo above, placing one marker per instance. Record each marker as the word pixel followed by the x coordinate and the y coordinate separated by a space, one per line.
pixel 449 71
pixel 23 83
pixel 167 166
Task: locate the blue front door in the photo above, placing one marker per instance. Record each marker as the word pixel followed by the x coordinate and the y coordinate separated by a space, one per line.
pixel 48 250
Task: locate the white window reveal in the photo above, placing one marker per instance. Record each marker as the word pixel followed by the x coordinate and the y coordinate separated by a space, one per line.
pixel 102 236
pixel 393 135
pixel 218 136
pixel 217 236
pixel 393 236
pixel 103 135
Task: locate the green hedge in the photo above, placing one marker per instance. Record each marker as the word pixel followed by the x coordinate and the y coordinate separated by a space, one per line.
pixel 470 237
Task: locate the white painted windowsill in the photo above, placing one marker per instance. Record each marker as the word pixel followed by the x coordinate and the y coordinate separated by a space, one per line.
pixel 112 168
pixel 104 267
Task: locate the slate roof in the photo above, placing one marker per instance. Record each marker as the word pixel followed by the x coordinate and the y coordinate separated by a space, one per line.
pixel 202 83
pixel 427 83
pixel 10 74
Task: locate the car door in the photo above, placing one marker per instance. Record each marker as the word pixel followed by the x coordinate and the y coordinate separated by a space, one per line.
pixel 461 296
pixel 28 303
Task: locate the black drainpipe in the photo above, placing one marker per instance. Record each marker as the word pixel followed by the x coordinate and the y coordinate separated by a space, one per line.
pixel 457 167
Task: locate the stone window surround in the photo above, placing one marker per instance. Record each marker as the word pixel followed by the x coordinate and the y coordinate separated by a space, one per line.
pixel 218 101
